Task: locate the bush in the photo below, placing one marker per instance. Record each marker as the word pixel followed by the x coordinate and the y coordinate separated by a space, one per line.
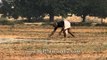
pixel 80 24
pixel 4 21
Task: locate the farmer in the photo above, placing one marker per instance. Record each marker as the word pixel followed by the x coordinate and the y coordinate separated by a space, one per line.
pixel 65 25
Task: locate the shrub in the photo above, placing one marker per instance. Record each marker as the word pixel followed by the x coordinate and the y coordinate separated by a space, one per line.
pixel 4 21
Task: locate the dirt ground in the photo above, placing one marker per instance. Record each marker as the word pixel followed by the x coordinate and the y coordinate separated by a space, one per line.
pixel 30 42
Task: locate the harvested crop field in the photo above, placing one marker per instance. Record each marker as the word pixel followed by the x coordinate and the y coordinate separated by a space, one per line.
pixel 30 42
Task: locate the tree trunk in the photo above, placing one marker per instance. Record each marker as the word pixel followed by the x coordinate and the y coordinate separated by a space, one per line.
pixel 102 21
pixel 84 17
pixel 29 19
pixel 51 18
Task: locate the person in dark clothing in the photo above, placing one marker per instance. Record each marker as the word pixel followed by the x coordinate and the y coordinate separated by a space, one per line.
pixel 62 24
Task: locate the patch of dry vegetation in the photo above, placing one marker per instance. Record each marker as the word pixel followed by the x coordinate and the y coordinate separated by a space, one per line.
pixel 90 43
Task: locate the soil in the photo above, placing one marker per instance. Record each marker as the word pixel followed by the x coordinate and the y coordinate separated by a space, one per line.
pixel 23 42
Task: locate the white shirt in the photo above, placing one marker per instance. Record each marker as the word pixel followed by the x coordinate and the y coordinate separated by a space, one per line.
pixel 67 24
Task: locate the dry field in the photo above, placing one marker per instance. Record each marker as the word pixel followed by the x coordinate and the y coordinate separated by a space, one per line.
pixel 30 42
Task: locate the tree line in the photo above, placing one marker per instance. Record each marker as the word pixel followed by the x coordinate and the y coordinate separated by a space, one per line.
pixel 40 8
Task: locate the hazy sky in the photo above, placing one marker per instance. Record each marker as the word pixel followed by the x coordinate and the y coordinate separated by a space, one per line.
pixel 0 1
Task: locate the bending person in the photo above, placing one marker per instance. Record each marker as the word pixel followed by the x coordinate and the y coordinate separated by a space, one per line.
pixel 65 25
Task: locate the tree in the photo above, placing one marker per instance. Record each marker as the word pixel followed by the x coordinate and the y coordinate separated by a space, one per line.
pixel 6 8
pixel 28 8
pixel 56 7
pixel 24 8
pixel 91 7
pixel 101 10
pixel 38 8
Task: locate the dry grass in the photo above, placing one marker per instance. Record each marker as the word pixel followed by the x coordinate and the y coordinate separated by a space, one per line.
pixel 90 43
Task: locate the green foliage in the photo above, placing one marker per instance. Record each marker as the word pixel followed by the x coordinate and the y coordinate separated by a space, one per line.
pixel 40 8
pixel 4 21
pixel 37 8
pixel 91 7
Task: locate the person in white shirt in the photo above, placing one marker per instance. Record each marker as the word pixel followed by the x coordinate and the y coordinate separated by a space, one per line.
pixel 65 25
